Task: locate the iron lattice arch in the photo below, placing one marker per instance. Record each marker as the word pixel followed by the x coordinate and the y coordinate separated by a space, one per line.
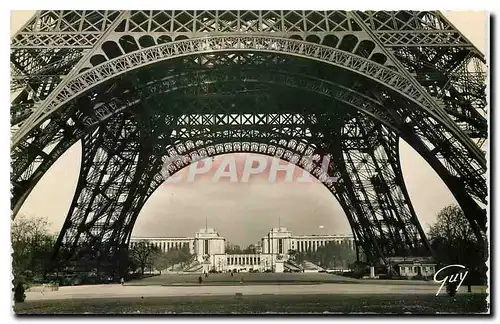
pixel 138 87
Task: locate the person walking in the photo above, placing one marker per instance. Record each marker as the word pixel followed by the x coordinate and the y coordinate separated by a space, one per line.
pixel 200 280
pixel 468 281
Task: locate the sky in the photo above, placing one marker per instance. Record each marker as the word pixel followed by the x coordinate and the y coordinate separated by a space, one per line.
pixel 243 212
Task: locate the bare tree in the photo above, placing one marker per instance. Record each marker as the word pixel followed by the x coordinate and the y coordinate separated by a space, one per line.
pixel 161 261
pixel 250 249
pixel 454 242
pixel 178 256
pixel 32 245
pixel 452 225
pixel 143 254
pixel 233 249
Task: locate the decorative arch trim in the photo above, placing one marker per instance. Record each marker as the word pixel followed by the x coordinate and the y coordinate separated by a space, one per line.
pixel 329 55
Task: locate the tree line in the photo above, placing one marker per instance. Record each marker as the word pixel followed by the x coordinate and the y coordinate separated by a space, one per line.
pixel 32 247
pixel 236 249
pixel 453 242
pixel 328 256
pixel 145 255
pixel 451 239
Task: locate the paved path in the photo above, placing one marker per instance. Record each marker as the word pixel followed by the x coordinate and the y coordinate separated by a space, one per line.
pixel 118 291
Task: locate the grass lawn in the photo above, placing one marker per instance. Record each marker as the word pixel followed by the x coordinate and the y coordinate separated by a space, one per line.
pixel 254 278
pixel 258 304
pixel 258 278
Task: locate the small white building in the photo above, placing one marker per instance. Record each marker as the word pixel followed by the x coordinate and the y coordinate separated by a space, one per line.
pixel 414 266
pixel 417 269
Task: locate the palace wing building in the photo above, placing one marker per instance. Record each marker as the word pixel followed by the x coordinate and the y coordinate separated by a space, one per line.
pixel 272 252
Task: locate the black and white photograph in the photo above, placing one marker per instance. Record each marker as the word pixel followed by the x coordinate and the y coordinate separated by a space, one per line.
pixel 249 162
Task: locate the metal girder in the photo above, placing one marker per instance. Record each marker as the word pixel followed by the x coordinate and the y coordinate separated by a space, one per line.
pixel 406 28
pixel 457 78
pixel 244 133
pixel 139 86
pixel 367 105
pixel 220 100
pixel 369 154
pixel 423 30
pixel 78 120
pixel 395 28
pixel 94 76
pixel 433 104
pixel 64 29
pixel 55 64
pixel 109 163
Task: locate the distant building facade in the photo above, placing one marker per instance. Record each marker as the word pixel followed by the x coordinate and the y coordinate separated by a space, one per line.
pixel 280 241
pixel 165 243
pixel 271 251
pixel 414 266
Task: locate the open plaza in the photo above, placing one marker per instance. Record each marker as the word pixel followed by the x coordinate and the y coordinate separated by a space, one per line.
pixel 366 131
pixel 253 293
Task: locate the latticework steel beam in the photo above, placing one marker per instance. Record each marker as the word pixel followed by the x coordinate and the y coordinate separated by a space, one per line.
pixel 137 87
